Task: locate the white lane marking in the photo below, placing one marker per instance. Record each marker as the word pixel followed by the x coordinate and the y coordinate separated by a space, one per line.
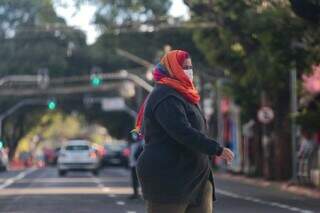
pixel 101 185
pixel 20 176
pixel 112 195
pixel 121 203
pixel 67 180
pixel 106 189
pixel 131 212
pixel 257 200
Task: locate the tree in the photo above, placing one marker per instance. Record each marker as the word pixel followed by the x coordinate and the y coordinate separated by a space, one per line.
pixel 32 26
pixel 104 50
pixel 32 36
pixel 308 9
pixel 18 125
pixel 128 14
pixel 257 54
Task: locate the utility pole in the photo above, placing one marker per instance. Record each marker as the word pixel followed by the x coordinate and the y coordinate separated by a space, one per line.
pixel 134 58
pixel 219 113
pixel 294 109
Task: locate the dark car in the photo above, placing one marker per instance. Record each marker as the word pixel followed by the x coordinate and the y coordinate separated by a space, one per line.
pixel 116 154
pixel 51 156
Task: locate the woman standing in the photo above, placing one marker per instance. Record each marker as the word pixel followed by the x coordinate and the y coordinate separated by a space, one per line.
pixel 174 169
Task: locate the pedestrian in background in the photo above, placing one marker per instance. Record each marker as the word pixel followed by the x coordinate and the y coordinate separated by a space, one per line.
pixel 136 147
pixel 174 168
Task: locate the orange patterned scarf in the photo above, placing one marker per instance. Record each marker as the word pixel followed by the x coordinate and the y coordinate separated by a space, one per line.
pixel 176 77
pixel 169 72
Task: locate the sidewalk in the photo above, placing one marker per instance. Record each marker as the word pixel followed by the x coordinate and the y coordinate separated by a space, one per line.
pixel 280 185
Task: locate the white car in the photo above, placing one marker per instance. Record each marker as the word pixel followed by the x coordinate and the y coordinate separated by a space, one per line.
pixel 78 155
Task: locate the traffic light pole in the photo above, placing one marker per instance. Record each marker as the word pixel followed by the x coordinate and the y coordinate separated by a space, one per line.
pixel 120 75
pixel 139 81
pixel 42 79
pixel 134 58
pixel 18 78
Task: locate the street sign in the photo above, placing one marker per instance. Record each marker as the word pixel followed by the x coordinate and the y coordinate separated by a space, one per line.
pixel 265 115
pixel 113 104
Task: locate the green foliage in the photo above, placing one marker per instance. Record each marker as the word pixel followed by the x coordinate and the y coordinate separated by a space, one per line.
pixel 308 9
pixel 257 42
pixel 18 125
pixel 52 128
pixel 147 45
pixel 32 26
pixel 112 14
pixel 309 119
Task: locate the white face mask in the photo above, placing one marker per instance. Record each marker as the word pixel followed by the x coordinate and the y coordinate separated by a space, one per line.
pixel 189 73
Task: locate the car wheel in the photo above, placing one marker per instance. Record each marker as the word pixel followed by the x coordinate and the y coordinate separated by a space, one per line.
pixel 62 173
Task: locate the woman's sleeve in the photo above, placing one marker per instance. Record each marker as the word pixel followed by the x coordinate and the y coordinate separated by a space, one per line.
pixel 171 115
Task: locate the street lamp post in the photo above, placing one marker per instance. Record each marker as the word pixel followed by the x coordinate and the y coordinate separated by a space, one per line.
pixel 219 113
pixel 294 109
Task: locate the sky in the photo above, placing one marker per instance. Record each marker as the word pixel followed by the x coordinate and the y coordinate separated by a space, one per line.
pixel 83 17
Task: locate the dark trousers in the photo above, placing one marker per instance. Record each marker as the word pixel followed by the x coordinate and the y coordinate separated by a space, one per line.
pixel 206 205
pixel 134 181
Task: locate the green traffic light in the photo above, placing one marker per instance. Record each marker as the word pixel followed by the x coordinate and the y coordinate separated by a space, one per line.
pixel 52 105
pixel 1 144
pixel 96 81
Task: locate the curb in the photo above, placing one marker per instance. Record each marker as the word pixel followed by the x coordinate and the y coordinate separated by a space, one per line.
pixel 281 185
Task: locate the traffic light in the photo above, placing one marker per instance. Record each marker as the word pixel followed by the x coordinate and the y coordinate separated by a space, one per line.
pixel 96 80
pixel 52 104
pixel 96 77
pixel 1 144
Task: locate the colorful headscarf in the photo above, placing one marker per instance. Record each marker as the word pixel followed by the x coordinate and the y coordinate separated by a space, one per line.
pixel 170 72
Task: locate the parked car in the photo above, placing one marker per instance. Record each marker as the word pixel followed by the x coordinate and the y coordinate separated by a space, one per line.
pixel 78 155
pixel 100 150
pixel 116 154
pixel 51 156
pixel 56 155
pixel 3 160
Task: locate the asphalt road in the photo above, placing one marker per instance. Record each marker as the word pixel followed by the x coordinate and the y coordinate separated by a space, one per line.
pixel 41 190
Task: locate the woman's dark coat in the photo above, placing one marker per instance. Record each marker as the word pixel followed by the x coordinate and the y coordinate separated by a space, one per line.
pixel 175 163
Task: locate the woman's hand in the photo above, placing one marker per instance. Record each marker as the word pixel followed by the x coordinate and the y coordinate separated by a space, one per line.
pixel 227 155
